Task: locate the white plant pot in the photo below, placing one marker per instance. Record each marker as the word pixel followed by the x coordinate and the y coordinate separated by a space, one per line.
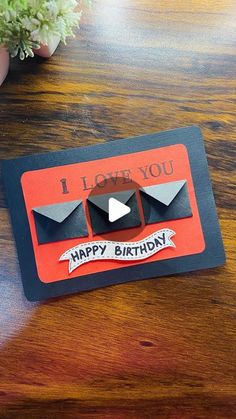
pixel 4 64
pixel 46 51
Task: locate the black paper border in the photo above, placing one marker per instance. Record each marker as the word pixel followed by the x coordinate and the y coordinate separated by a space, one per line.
pixel 212 256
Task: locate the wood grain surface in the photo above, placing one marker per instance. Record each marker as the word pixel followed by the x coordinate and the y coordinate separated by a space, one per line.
pixel 152 349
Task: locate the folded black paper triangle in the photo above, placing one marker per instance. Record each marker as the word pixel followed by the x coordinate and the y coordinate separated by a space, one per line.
pixel 99 210
pixel 61 221
pixel 165 201
pixel 165 192
pixel 58 212
pixel 102 201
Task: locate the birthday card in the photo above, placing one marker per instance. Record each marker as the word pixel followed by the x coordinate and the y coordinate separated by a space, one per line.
pixel 122 211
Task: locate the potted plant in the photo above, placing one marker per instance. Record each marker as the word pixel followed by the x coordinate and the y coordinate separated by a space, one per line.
pixel 29 27
pixel 4 63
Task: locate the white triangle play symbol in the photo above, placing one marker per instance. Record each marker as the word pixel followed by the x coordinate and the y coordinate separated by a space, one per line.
pixel 117 209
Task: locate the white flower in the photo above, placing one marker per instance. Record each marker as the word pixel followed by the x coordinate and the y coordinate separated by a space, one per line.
pixel 24 25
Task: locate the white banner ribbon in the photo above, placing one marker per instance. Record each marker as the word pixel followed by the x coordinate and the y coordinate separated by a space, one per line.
pixel 128 251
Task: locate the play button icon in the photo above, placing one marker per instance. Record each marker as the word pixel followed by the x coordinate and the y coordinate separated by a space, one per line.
pixel 114 210
pixel 117 210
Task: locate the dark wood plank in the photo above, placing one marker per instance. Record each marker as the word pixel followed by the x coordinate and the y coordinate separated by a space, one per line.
pixel 158 348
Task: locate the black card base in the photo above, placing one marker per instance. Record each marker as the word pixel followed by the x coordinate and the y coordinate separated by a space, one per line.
pixel 212 256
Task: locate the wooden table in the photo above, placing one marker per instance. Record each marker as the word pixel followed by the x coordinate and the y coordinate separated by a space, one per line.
pixel 153 349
